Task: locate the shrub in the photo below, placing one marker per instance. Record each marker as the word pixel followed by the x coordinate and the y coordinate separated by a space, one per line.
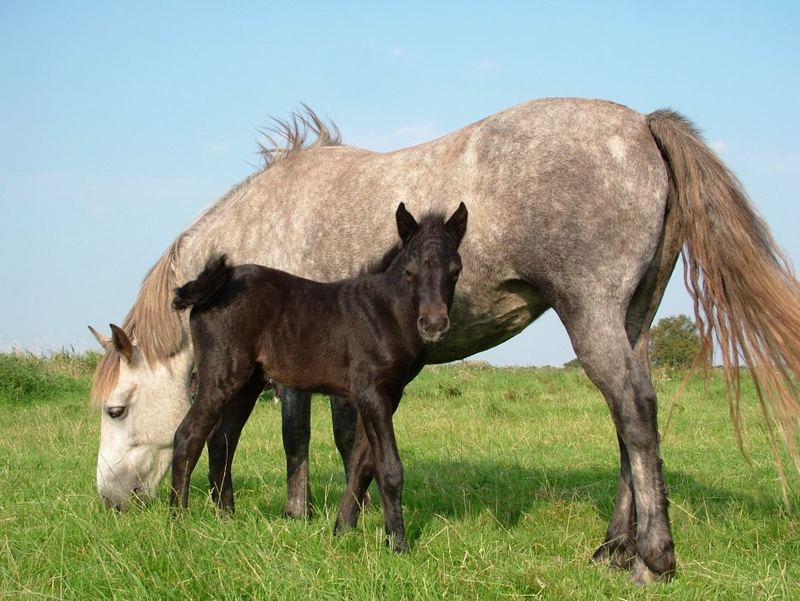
pixel 674 343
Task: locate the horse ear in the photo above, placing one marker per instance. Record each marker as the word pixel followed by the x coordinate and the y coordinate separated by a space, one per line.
pixel 104 341
pixel 406 224
pixel 122 343
pixel 456 226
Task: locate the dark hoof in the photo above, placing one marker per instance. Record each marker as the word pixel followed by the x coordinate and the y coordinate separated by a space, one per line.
pixel 398 544
pixel 341 527
pixel 225 512
pixel 641 574
pixel 615 555
pixel 298 513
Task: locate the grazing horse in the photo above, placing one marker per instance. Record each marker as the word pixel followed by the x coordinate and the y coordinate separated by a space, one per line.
pixel 582 206
pixel 362 338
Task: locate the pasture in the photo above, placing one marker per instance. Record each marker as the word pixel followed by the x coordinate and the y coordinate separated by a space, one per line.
pixel 510 475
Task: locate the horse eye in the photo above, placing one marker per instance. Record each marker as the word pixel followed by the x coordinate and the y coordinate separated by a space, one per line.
pixel 116 412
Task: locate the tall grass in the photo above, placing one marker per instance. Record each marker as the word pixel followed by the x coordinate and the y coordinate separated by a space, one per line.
pixel 510 475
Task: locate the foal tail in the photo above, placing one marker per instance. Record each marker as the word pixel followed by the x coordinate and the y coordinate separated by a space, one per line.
pixel 200 291
pixel 746 297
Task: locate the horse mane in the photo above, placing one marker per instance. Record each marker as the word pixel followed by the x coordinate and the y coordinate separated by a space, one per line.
pixel 288 138
pixel 155 328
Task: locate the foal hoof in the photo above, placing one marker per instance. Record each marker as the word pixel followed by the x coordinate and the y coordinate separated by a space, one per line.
pixel 340 527
pixel 398 544
pixel 618 555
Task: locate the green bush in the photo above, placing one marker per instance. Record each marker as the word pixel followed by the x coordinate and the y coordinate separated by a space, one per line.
pixel 674 343
pixel 28 378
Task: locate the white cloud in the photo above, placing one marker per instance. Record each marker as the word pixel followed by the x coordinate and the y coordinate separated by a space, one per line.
pixel 719 146
pixel 488 65
pixel 219 148
pixel 396 52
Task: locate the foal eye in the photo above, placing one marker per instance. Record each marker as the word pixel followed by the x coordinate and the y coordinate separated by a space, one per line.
pixel 115 412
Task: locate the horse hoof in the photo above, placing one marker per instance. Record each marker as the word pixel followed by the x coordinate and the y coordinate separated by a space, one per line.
pixel 643 575
pixel 298 511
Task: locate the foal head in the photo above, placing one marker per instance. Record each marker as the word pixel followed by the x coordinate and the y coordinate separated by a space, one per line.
pixel 431 265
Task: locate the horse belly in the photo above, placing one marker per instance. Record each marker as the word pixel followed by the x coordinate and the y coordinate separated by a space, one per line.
pixel 483 317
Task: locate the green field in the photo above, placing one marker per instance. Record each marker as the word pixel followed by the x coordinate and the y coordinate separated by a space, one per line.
pixel 510 475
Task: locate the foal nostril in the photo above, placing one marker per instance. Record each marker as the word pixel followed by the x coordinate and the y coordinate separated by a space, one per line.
pixel 438 325
pixel 441 325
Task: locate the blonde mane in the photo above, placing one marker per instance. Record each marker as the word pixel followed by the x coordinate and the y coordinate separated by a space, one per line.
pixel 151 322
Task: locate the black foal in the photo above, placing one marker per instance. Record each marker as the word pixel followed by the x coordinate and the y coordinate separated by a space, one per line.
pixel 363 339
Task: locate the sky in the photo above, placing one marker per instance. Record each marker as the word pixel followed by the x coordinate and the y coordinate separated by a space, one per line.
pixel 119 124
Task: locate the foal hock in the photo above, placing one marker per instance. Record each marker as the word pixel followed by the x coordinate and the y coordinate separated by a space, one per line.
pixel 363 338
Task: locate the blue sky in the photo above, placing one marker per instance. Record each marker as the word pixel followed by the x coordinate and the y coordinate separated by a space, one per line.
pixel 118 125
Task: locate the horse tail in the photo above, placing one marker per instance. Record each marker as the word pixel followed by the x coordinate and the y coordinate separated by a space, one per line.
pixel 745 295
pixel 199 292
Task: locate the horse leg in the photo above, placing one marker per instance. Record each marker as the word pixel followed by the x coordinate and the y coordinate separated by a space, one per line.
pixel 360 474
pixel 619 545
pixel 344 417
pixel 224 439
pixel 296 430
pixel 602 345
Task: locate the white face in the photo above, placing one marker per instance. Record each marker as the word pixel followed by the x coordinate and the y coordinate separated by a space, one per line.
pixel 138 423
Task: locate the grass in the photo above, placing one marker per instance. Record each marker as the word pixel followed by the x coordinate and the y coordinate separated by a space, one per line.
pixel 510 475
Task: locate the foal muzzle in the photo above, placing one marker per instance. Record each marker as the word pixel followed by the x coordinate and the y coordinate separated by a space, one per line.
pixel 433 325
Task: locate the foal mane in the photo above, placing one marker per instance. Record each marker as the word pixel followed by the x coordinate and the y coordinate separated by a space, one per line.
pixel 429 221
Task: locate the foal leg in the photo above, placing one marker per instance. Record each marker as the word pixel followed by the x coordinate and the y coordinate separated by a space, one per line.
pixel 603 347
pixel 360 475
pixel 376 411
pixel 225 437
pixel 296 430
pixel 193 432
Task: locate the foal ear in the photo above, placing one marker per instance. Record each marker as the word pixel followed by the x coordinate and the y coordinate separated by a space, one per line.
pixel 122 343
pixel 104 341
pixel 456 226
pixel 406 224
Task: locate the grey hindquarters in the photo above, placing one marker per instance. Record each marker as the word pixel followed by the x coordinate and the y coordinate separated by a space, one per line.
pixel 595 251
